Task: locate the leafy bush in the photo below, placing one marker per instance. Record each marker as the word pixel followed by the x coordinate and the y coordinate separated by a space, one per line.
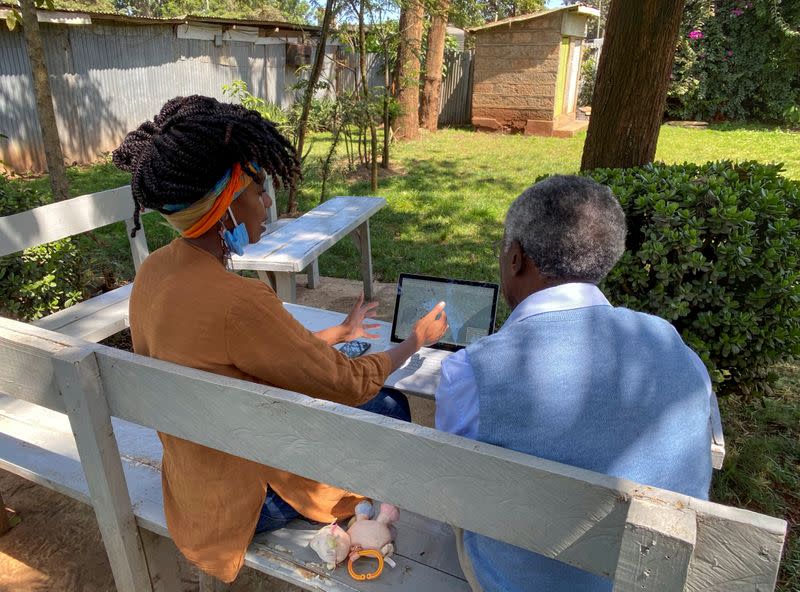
pixel 41 280
pixel 737 60
pixel 588 79
pixel 714 249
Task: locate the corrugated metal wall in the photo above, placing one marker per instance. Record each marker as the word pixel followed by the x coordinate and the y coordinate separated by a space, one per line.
pixel 349 70
pixel 107 79
pixel 456 97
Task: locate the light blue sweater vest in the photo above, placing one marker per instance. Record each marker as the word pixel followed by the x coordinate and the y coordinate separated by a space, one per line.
pixel 606 389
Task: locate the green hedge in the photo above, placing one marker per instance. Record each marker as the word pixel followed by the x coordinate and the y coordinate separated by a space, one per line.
pixel 41 280
pixel 737 60
pixel 714 249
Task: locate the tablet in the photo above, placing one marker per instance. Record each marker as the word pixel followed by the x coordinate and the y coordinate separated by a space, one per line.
pixel 471 308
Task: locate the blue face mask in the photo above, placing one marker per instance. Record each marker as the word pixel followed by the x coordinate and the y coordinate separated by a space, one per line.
pixel 236 239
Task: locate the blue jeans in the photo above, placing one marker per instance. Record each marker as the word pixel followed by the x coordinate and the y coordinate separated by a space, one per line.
pixel 277 513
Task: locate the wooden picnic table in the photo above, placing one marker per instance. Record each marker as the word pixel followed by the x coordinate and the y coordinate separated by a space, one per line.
pixel 291 247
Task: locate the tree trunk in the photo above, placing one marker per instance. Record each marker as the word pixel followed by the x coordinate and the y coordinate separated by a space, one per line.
pixel 362 62
pixel 432 91
pixel 407 125
pixel 302 125
pixel 44 103
pixel 387 124
pixel 632 81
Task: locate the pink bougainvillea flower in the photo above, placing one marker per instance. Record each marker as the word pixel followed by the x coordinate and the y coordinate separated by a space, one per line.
pixel 729 52
pixel 737 12
pixel 696 34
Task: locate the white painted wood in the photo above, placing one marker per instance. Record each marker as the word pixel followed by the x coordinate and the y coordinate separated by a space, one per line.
pixel 294 246
pixel 272 213
pixel 79 380
pixel 38 445
pixel 717 438
pixel 93 319
pixel 286 286
pixel 362 239
pixel 579 517
pixel 138 243
pixel 62 219
pixel 657 546
pixel 573 507
pixel 162 562
pixel 312 271
pixel 26 364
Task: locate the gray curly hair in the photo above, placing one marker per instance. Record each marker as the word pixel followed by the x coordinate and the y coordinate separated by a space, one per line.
pixel 571 227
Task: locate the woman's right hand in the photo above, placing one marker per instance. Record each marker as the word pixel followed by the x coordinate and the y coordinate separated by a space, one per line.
pixel 426 331
pixel 432 327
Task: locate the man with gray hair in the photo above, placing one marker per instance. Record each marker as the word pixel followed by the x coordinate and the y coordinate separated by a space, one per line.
pixel 571 378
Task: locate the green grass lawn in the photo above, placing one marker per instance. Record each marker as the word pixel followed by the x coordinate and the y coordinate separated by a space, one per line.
pixel 446 202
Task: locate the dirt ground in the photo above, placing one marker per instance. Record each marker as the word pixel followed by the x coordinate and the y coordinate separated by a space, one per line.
pixel 57 545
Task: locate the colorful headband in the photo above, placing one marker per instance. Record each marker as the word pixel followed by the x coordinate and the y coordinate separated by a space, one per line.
pixel 193 220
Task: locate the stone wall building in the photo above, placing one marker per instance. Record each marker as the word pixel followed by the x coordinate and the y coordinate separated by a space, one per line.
pixel 527 70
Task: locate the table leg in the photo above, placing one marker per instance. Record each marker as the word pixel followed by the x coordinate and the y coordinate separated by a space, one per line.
pixel 362 239
pixel 286 286
pixel 5 523
pixel 211 584
pixel 163 562
pixel 267 277
pixel 313 274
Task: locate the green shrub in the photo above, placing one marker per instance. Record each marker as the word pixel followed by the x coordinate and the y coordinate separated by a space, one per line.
pixel 714 249
pixel 588 79
pixel 40 280
pixel 737 60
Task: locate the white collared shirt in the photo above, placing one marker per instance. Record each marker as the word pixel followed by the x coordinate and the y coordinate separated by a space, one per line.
pixel 457 403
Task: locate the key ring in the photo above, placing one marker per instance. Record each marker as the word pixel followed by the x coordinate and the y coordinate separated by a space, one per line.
pixel 365 553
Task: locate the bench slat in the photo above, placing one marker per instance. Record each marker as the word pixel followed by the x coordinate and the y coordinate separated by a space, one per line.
pixel 93 319
pixel 59 220
pixel 30 435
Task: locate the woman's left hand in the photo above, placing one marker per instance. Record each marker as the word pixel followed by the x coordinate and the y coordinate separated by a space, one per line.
pixel 355 325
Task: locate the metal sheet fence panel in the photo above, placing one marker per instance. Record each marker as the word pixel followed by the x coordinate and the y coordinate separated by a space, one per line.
pixel 108 78
pixel 23 149
pixel 456 95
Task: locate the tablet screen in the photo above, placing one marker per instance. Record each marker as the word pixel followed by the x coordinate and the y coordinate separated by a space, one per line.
pixel 470 307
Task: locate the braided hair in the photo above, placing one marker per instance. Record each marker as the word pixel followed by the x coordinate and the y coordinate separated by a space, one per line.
pixel 180 155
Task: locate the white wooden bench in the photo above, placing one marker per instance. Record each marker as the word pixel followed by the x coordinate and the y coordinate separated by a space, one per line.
pixel 101 316
pixel 291 246
pixel 288 247
pixel 641 537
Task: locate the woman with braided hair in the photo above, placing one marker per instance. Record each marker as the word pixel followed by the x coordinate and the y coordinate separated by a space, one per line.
pixel 202 164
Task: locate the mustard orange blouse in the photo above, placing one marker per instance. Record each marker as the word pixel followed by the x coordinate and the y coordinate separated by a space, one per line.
pixel 187 308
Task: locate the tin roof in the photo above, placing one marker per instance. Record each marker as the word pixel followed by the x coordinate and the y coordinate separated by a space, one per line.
pixel 87 17
pixel 576 8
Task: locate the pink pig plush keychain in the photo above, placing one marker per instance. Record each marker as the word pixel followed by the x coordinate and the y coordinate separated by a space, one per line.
pixel 372 538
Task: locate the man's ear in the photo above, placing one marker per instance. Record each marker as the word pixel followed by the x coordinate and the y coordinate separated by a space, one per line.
pixel 516 258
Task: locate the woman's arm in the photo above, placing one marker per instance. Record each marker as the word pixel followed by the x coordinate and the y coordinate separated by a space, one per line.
pixel 353 327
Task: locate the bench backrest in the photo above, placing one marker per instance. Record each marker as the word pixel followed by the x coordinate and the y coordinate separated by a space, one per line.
pixel 59 220
pixel 600 524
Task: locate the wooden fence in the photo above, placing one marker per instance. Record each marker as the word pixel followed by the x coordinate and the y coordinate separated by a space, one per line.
pixel 455 108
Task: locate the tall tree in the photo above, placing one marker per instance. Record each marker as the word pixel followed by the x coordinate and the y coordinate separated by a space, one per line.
pixel 469 13
pixel 313 79
pixel 632 82
pixel 44 102
pixel 362 63
pixel 408 69
pixel 434 58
